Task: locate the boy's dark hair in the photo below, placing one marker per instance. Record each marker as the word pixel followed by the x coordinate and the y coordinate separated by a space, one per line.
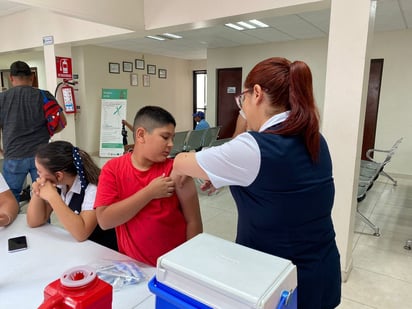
pixel 152 117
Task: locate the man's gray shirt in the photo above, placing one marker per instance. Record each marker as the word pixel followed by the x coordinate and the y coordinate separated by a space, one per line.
pixel 22 121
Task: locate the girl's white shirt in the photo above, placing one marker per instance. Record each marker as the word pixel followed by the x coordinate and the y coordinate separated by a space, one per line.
pixel 89 194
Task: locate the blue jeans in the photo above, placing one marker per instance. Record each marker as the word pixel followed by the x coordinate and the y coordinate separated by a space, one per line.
pixel 15 172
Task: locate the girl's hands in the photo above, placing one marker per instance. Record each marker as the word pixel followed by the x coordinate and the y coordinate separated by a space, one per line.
pixel 44 189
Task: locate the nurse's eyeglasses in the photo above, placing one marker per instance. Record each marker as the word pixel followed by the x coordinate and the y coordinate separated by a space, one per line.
pixel 240 98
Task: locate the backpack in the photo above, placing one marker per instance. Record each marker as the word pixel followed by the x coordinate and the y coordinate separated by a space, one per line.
pixel 52 114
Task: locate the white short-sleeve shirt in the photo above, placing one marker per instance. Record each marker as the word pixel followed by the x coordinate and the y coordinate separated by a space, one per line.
pixel 89 194
pixel 3 184
pixel 236 162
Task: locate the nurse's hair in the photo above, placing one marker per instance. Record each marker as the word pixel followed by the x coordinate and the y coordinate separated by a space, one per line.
pixel 152 117
pixel 289 85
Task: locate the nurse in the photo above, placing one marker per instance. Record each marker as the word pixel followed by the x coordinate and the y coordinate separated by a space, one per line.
pixel 280 176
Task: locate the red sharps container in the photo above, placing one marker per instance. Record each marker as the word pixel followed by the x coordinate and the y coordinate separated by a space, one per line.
pixel 79 288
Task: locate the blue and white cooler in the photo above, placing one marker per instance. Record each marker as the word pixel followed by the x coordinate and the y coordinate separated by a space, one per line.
pixel 210 272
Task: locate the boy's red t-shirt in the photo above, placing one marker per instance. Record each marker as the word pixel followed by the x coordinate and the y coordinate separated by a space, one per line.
pixel 159 227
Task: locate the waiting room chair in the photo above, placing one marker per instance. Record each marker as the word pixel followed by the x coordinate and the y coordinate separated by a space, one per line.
pixel 211 135
pixel 179 143
pixel 369 172
pixel 370 166
pixel 195 140
pixel 219 142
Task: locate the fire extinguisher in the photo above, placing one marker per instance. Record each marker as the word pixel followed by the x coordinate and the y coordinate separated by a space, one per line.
pixel 67 91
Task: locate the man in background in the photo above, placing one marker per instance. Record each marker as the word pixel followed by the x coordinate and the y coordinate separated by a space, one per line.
pixel 199 117
pixel 22 125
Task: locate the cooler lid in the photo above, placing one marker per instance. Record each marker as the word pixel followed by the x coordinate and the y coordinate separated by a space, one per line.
pixel 225 266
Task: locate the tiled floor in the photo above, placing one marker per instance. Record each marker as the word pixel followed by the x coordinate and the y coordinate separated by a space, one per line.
pixel 382 271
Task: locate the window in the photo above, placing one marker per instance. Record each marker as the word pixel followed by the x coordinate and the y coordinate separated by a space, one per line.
pixel 199 91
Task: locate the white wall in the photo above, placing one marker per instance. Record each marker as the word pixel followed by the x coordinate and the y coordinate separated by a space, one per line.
pixel 91 63
pixel 311 51
pixel 173 93
pixel 33 59
pixel 394 119
pixel 395 108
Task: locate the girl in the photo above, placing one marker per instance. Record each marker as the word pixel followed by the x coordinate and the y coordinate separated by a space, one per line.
pixel 70 169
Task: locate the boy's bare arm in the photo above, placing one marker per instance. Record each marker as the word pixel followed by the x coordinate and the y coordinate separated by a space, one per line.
pixel 122 211
pixel 189 201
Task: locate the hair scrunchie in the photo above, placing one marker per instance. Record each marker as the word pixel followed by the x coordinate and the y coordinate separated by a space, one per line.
pixel 78 163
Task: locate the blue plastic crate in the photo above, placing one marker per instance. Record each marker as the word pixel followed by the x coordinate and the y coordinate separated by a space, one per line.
pixel 168 298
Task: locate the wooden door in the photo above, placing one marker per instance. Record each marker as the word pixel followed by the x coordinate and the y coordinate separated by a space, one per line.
pixel 229 83
pixel 372 106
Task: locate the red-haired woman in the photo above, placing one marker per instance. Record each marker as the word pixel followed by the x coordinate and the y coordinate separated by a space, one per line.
pixel 280 175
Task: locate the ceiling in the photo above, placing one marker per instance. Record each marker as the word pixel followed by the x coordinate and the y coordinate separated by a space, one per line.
pixel 391 15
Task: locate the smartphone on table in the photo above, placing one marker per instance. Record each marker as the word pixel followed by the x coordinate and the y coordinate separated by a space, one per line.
pixel 17 243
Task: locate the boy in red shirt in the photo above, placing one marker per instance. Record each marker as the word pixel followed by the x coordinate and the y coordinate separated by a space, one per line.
pixel 137 196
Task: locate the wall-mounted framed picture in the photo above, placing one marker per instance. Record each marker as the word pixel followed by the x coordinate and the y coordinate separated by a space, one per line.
pixel 146 80
pixel 114 67
pixel 162 73
pixel 133 79
pixel 139 64
pixel 151 69
pixel 127 66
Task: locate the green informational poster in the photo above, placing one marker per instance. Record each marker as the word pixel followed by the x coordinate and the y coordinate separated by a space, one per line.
pixel 114 103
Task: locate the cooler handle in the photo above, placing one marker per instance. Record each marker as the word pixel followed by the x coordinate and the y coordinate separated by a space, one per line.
pixel 284 299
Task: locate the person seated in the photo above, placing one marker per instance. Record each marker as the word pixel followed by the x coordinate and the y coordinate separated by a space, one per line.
pixel 136 195
pixel 199 117
pixel 9 208
pixel 72 170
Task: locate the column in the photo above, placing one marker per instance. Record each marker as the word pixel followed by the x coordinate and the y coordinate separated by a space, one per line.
pixel 347 73
pixel 50 53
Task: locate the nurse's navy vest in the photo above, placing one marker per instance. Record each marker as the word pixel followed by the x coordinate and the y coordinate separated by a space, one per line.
pixel 286 210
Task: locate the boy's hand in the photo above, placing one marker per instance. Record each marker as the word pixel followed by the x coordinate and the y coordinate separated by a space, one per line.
pixel 162 187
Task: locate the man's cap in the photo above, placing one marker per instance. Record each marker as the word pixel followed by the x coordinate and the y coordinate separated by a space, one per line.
pixel 20 68
pixel 199 114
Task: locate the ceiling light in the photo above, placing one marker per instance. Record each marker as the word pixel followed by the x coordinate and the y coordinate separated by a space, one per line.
pixel 172 36
pixel 258 23
pixel 246 25
pixel 155 37
pixel 236 27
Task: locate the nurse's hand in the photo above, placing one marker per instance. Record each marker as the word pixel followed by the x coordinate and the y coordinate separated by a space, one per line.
pixel 208 186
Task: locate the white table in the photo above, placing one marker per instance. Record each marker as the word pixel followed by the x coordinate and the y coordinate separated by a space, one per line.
pixel 51 251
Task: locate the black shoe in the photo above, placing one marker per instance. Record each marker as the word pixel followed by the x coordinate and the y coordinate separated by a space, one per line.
pixel 25 194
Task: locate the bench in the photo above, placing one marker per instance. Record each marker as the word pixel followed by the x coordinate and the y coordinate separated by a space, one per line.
pixel 370 170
